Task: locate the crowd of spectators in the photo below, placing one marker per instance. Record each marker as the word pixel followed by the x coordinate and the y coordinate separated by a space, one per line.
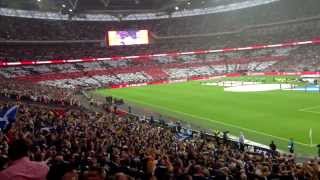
pixel 96 74
pixel 301 30
pixel 301 59
pixel 146 70
pixel 231 57
pixel 82 144
pixel 32 29
pixel 27 91
pixel 71 142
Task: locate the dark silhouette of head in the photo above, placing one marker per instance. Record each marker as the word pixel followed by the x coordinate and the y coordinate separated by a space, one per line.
pixel 18 149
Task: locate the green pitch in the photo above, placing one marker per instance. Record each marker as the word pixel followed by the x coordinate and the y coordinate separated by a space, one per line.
pixel 261 116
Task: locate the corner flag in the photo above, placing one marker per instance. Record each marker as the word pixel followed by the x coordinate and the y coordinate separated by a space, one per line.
pixel 310 136
pixel 8 117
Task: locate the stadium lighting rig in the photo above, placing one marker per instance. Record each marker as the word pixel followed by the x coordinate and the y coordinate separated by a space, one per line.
pixel 105 2
pixel 68 7
pixel 137 2
pixel 74 4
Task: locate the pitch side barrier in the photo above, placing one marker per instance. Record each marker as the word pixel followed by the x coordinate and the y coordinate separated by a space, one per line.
pixel 233 141
pixel 3 63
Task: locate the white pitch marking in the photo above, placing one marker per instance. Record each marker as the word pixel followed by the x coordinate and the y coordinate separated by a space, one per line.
pixel 219 122
pixel 315 112
pixel 308 108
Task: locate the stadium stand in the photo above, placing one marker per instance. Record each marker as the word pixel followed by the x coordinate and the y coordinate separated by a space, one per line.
pixel 135 71
pixel 76 143
pixel 272 34
pixel 72 30
pixel 101 142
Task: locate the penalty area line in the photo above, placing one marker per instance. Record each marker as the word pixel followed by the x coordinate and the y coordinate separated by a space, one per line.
pixel 315 112
pixel 310 109
pixel 218 122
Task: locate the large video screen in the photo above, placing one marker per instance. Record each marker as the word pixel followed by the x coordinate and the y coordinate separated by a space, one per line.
pixel 123 38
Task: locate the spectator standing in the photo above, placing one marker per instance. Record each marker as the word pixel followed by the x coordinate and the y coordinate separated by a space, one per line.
pixel 273 147
pixel 94 174
pixel 291 146
pixel 225 136
pixel 216 135
pixel 21 168
pixel 241 142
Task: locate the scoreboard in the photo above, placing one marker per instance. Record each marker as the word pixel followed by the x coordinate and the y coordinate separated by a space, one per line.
pixel 125 38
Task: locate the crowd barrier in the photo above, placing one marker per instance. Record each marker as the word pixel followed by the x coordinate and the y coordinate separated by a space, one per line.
pixel 251 147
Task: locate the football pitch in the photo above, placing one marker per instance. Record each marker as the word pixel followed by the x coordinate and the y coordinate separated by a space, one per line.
pixel 262 116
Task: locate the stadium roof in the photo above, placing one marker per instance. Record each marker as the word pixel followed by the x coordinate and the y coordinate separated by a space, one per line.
pixel 98 6
pixel 87 5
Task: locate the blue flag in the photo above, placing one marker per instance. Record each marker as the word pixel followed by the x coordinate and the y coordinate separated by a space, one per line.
pixel 8 116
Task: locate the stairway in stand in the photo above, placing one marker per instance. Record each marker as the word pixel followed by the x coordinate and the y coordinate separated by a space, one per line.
pixel 157 74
